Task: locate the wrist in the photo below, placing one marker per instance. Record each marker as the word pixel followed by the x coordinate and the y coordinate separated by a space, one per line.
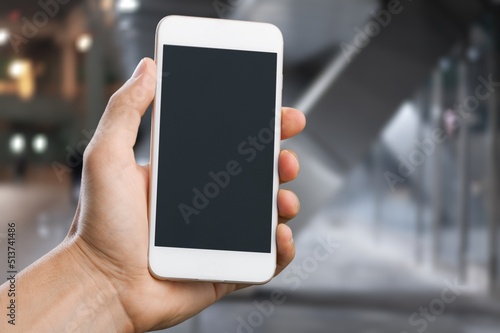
pixel 102 293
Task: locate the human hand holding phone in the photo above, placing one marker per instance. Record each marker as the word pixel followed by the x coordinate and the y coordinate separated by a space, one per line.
pixel 98 279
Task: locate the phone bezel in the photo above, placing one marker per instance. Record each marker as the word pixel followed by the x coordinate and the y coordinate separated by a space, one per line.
pixel 199 264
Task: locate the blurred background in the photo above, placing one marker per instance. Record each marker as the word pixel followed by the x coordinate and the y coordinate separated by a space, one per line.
pixel 399 163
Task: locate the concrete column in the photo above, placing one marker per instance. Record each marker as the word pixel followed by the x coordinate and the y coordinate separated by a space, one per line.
pixel 463 170
pixel 418 191
pixel 378 191
pixel 94 82
pixel 492 180
pixel 437 209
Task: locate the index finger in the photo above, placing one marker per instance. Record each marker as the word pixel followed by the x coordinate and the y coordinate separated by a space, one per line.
pixel 292 122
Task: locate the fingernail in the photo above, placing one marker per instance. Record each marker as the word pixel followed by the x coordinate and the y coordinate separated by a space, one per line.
pixel 294 156
pixel 290 235
pixel 139 69
pixel 297 201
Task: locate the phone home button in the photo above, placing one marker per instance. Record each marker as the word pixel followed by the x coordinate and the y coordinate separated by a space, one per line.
pixel 209 268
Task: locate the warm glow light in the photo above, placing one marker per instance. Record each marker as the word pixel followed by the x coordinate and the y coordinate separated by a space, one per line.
pixel 17 68
pixel 107 5
pixel 39 143
pixel 22 71
pixel 17 143
pixel 127 6
pixel 4 36
pixel 84 43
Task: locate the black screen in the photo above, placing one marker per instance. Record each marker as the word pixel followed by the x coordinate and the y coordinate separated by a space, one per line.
pixel 216 150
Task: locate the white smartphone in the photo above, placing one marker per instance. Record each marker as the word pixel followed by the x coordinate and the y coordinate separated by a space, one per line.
pixel 214 150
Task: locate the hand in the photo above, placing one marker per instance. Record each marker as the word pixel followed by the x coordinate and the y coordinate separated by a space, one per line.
pixel 110 229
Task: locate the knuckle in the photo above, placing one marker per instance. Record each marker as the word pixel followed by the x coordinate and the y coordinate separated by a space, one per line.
pixel 122 103
pixel 89 156
pixel 92 157
pixel 116 100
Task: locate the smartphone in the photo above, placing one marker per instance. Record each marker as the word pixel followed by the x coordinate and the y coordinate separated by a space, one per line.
pixel 214 150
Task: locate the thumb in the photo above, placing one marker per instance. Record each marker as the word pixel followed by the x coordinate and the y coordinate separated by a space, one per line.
pixel 120 122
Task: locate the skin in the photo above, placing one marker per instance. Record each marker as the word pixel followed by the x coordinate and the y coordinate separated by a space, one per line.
pixel 97 280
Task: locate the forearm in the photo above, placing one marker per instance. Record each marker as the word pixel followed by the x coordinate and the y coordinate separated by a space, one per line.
pixel 62 292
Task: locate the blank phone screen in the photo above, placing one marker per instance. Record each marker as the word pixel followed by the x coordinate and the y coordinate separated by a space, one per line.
pixel 216 149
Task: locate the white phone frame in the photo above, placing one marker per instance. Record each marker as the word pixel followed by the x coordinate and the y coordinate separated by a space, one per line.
pixel 199 264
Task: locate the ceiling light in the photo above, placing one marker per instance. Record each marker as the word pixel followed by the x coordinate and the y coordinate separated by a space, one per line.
pixel 445 64
pixel 17 143
pixel 17 68
pixel 474 54
pixel 39 143
pixel 127 6
pixel 84 42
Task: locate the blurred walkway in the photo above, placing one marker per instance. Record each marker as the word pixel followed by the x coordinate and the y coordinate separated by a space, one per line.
pixel 358 287
pixel 340 281
pixel 43 214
